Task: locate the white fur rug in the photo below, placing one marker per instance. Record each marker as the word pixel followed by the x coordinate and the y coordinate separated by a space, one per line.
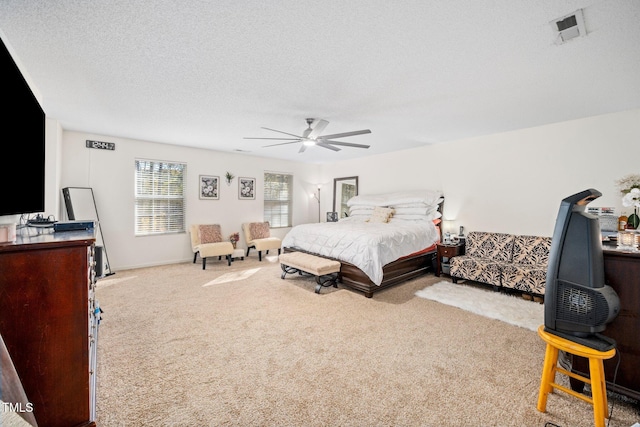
pixel 487 303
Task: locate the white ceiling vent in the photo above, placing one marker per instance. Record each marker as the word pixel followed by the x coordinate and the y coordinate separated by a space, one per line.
pixel 569 27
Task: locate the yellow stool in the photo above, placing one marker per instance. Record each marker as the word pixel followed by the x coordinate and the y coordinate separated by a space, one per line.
pixel 596 370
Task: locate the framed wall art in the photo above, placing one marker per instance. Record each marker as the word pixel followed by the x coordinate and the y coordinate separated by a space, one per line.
pixel 209 187
pixel 246 188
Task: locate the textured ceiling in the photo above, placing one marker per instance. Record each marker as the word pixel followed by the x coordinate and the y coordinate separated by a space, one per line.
pixel 208 73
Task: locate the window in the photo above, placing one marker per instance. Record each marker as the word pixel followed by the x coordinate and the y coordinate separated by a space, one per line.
pixel 159 197
pixel 278 191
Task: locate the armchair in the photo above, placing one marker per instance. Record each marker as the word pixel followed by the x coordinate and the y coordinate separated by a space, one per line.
pixel 206 240
pixel 258 236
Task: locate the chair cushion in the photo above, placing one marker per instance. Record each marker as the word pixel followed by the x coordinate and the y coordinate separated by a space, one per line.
pixel 527 278
pixel 215 249
pixel 528 272
pixel 494 246
pixel 483 270
pixel 259 230
pixel 210 233
pixel 531 250
pixel 267 243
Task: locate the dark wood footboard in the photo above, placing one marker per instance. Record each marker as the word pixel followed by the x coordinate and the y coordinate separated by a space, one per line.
pixel 393 273
pixel 396 272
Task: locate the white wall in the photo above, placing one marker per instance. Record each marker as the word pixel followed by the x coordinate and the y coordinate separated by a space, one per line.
pixel 111 175
pixel 512 182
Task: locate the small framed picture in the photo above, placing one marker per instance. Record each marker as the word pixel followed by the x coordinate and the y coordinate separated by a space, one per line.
pixel 246 188
pixel 332 216
pixel 209 187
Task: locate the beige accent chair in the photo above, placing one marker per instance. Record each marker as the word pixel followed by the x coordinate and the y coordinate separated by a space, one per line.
pixel 206 241
pixel 257 235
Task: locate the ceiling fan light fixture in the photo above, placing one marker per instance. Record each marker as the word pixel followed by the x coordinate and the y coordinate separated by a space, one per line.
pixel 312 136
pixel 308 130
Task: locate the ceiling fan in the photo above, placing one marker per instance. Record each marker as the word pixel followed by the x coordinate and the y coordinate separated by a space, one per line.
pixel 311 136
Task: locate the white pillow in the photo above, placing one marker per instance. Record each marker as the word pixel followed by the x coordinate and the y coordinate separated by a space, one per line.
pixel 411 211
pixel 426 217
pixel 429 197
pixel 411 205
pixel 361 210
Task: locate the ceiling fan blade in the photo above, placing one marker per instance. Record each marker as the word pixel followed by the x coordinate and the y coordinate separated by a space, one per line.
pixel 277 139
pixel 330 147
pixel 317 127
pixel 311 136
pixel 279 131
pixel 346 144
pixel 342 135
pixel 283 143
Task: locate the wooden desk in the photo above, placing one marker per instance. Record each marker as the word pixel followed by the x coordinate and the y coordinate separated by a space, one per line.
pixel 622 273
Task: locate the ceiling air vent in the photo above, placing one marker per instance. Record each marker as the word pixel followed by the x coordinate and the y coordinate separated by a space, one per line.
pixel 569 27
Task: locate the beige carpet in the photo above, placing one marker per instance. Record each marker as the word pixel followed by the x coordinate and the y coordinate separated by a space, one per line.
pixel 178 347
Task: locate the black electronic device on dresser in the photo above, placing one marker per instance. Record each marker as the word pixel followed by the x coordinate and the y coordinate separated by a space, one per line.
pixel 577 304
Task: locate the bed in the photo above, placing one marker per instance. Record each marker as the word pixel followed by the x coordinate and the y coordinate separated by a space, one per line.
pixel 386 239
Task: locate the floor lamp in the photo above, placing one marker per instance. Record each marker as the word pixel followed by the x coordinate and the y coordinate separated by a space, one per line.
pixel 317 197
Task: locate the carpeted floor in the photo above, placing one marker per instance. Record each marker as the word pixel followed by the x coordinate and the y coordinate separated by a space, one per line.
pixel 179 346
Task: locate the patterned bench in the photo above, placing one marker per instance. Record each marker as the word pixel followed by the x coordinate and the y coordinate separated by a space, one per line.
pixel 325 270
pixel 504 261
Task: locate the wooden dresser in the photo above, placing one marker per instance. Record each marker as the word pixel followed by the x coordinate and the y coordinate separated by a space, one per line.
pixel 622 273
pixel 49 322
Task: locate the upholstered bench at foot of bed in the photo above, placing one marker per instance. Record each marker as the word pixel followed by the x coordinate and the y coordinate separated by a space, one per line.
pixel 325 270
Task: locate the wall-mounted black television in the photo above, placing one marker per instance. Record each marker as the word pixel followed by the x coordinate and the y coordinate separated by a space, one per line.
pixel 23 174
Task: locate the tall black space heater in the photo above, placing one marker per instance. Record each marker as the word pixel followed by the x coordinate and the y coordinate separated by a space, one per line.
pixel 577 304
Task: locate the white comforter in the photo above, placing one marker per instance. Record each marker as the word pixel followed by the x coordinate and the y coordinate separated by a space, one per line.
pixel 367 245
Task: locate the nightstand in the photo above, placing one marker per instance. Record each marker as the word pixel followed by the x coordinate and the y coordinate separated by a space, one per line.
pixel 444 253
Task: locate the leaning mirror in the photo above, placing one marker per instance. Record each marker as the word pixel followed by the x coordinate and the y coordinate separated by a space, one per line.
pixel 81 206
pixel 344 189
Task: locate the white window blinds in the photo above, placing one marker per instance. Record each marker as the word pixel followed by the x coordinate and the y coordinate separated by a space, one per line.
pixel 278 192
pixel 159 195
